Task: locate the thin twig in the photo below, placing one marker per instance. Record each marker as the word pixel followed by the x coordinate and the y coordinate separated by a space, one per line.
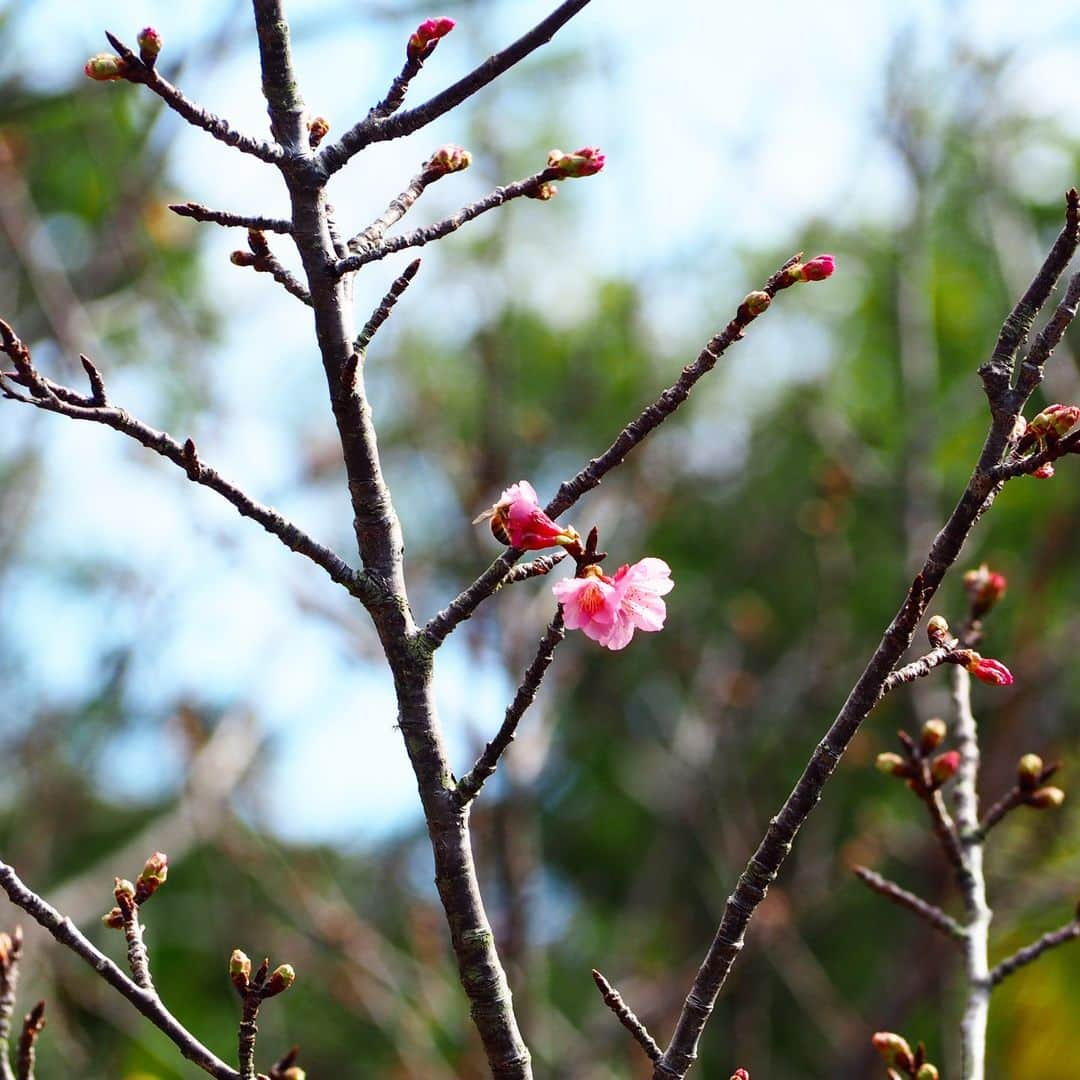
pixel 1008 802
pixel 917 669
pixel 59 399
pixel 225 217
pixel 146 1001
pixel 1024 466
pixel 944 829
pixel 471 783
pixel 263 261
pixel 625 1015
pixel 32 1027
pixel 539 567
pixel 194 114
pixel 397 209
pixel 651 417
pixel 926 911
pixel 419 237
pixel 247 1034
pixel 1069 932
pixel 380 128
pixel 10 954
pixel 138 960
pixel 386 305
pixel 1051 334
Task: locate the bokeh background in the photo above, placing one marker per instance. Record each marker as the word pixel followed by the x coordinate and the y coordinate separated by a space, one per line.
pixel 171 678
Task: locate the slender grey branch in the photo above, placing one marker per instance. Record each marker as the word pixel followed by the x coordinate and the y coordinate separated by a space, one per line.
pixel 52 397
pixel 138 960
pixel 1051 334
pixel 419 237
pixel 917 669
pixel 10 955
pixel 1008 802
pixel 1024 466
pixel 198 212
pixel 247 1034
pixel 379 128
pixel 263 261
pixel 386 305
pixel 972 882
pixel 539 567
pixel 1069 932
pixel 928 912
pixel 651 417
pixel 146 1001
pixel 470 784
pixel 196 115
pixel 397 209
pixel 625 1015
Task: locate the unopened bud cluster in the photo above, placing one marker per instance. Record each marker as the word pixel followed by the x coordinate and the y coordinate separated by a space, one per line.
pixel 924 773
pixel 260 983
pixel 587 161
pixel 448 159
pixel 900 1060
pixel 130 895
pixel 1031 776
pixel 426 36
pixel 985 588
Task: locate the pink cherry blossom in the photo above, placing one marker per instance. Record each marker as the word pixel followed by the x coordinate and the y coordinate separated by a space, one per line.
pixel 590 603
pixel 518 520
pixel 610 609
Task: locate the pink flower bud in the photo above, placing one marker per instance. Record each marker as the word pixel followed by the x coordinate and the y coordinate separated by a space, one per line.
pixel 944 766
pixel 817 269
pixel 894 1049
pixel 1046 798
pixel 740 1074
pixel 1055 420
pixel 448 159
pixel 1044 472
pixel 105 67
pixel 932 735
pixel 544 192
pixel 992 672
pixel 425 36
pixel 584 162
pixel 892 765
pixel 985 588
pixel 149 45
pixel 518 521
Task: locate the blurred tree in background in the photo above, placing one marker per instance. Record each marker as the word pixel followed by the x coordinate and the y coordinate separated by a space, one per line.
pixel 789 499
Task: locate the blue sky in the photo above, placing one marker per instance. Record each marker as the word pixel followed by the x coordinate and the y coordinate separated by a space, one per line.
pixel 725 126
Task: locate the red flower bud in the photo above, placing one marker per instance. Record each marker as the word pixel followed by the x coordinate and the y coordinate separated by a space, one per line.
pixel 518 521
pixel 149 45
pixel 584 162
pixel 944 766
pixel 817 269
pixel 152 877
pixel 992 672
pixel 740 1074
pixel 1044 472
pixel 1055 420
pixel 985 588
pixel 426 35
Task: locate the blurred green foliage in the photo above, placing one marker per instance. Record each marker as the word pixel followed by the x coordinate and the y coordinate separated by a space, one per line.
pixel 791 517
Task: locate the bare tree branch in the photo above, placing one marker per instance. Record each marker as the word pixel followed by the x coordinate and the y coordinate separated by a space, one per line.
pixel 625 1015
pixel 1069 932
pixel 470 784
pixel 146 1001
pixel 380 128
pixel 929 913
pixel 386 305
pixel 198 212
